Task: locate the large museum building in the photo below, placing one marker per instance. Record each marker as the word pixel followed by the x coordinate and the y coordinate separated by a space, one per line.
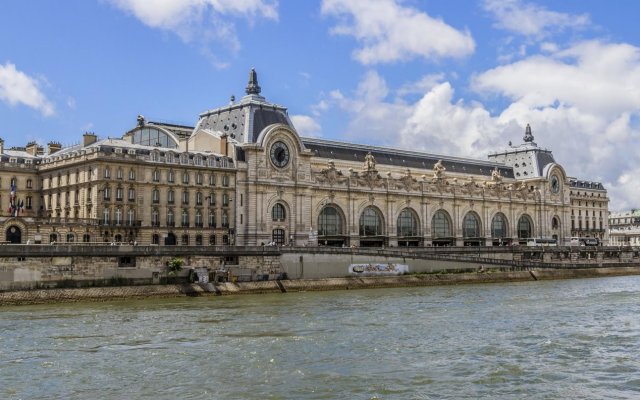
pixel 243 176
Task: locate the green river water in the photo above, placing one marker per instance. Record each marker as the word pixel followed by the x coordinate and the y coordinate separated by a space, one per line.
pixel 571 339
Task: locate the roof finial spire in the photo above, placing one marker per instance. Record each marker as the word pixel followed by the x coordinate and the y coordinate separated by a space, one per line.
pixel 252 86
pixel 528 137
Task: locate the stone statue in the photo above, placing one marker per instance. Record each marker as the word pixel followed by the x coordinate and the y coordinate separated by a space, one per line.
pixel 495 175
pixel 369 162
pixel 438 170
pixel 140 120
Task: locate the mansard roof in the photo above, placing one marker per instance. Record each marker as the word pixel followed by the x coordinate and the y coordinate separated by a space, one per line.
pixel 244 120
pixel 402 158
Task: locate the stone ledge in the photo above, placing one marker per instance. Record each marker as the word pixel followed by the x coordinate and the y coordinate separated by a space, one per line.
pixel 38 296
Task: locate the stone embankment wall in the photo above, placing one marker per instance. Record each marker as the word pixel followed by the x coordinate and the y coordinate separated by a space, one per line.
pixel 300 285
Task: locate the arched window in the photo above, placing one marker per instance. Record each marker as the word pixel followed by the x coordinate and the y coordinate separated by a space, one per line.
pixel 86 238
pixel 555 223
pixel 71 238
pixel 53 238
pixel 155 239
pixel 212 240
pixel 441 225
pixel 153 137
pixel 471 226
pixel 198 219
pixel 499 226
pixel 156 175
pixel 407 223
pixel 199 198
pixel 198 240
pixel 278 212
pixel 185 240
pixel 524 227
pixel 155 196
pixel 370 222
pixel 170 196
pixel 330 222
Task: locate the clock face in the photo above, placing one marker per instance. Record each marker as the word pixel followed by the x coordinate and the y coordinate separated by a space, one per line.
pixel 280 154
pixel 555 184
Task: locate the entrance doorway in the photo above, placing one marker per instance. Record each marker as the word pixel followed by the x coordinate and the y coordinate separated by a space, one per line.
pixel 14 235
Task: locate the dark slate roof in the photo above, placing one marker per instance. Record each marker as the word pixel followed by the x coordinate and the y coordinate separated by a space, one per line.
pixel 227 120
pixel 402 158
pixel 578 184
pixel 263 117
pixel 544 158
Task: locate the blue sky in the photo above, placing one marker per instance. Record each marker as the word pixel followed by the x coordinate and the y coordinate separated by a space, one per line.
pixel 460 78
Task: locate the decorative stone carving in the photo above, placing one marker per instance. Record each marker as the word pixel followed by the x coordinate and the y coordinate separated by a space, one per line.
pixel 407 182
pixel 371 179
pixel 331 175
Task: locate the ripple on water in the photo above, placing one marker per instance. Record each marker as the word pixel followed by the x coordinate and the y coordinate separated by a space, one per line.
pixel 551 339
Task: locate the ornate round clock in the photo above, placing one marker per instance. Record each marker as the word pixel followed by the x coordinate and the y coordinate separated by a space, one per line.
pixel 555 184
pixel 280 154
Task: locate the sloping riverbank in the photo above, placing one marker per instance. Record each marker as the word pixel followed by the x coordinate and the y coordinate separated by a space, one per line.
pixel 40 296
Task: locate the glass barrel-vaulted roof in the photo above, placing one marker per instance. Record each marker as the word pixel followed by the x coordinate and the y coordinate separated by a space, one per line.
pixel 151 136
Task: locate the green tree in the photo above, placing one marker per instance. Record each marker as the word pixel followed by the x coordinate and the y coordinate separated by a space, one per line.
pixel 175 265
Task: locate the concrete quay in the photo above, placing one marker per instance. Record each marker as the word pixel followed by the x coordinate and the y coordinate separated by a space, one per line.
pixel 40 296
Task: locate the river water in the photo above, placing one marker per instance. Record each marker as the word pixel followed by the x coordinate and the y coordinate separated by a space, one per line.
pixel 571 339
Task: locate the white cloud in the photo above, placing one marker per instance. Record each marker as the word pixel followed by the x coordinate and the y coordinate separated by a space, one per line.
pixel 390 32
pixel 305 125
pixel 16 87
pixel 200 21
pixel 583 103
pixel 532 20
pixel 425 84
pixel 600 78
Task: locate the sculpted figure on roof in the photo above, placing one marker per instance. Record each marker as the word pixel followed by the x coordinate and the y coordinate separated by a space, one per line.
pixel 495 175
pixel 369 162
pixel 438 170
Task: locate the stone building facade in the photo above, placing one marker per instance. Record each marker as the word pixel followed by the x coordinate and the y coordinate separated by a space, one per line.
pixel 244 176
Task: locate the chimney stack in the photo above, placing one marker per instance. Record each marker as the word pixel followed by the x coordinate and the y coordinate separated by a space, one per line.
pixel 223 144
pixel 32 148
pixel 89 138
pixel 53 147
pixel 1 146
